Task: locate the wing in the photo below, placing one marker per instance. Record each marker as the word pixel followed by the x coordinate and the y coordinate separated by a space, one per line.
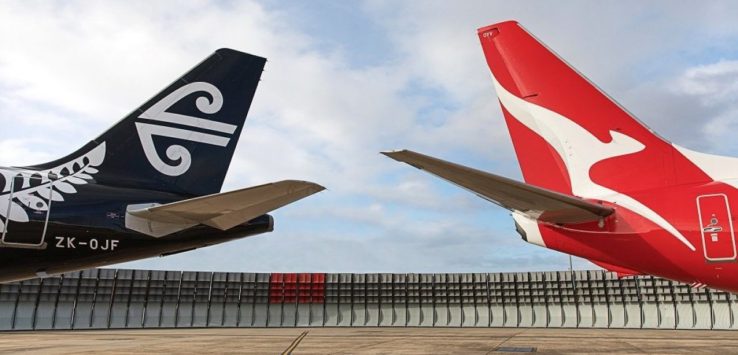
pixel 535 202
pixel 228 209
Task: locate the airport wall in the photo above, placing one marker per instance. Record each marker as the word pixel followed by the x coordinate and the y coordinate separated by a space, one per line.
pixel 118 298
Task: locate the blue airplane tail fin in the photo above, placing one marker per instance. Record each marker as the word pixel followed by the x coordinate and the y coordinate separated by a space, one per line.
pixel 182 140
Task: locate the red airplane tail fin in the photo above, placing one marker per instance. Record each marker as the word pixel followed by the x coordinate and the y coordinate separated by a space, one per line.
pixel 568 135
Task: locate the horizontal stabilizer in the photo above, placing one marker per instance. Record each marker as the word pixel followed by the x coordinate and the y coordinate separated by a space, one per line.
pixel 228 209
pixel 535 202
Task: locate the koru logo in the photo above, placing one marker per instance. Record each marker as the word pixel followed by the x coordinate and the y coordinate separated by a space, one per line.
pixel 158 112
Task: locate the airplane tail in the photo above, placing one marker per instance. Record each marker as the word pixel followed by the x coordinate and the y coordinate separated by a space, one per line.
pixel 181 140
pixel 568 135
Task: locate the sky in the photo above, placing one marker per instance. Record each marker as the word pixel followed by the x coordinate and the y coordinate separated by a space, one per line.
pixel 348 79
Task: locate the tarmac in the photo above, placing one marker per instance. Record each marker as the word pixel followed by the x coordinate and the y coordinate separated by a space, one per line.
pixel 371 341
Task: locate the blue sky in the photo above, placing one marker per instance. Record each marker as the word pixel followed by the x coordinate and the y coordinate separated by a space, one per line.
pixel 347 79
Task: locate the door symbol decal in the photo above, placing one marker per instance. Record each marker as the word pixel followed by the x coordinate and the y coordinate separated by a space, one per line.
pixel 716 226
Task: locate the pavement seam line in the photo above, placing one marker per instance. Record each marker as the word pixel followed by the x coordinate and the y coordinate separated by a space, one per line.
pixel 505 341
pixel 295 343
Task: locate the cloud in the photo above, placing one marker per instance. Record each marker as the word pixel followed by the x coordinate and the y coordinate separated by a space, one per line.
pixel 712 83
pixel 15 148
pixel 712 87
pixel 695 107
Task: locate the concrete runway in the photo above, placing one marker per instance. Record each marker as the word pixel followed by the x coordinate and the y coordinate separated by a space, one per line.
pixel 370 341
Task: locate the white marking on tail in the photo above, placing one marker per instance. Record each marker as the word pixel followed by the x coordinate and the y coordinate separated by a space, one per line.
pixel 579 149
pixel 175 152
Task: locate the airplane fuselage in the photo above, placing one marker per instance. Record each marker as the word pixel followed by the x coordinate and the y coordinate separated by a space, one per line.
pixel 88 229
pixel 701 250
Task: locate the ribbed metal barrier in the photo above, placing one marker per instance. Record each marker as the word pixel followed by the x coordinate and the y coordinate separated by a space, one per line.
pixel 118 298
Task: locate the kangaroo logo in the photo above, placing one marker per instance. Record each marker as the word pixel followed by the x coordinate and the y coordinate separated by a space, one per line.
pixel 175 152
pixel 579 149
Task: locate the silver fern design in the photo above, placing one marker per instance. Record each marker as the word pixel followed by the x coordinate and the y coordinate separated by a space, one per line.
pixel 36 189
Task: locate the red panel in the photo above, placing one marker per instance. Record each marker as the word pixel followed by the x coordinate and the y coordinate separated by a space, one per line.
pixel 296 288
pixel 303 285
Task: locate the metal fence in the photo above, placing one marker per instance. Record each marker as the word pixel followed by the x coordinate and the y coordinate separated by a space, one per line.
pixel 110 298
